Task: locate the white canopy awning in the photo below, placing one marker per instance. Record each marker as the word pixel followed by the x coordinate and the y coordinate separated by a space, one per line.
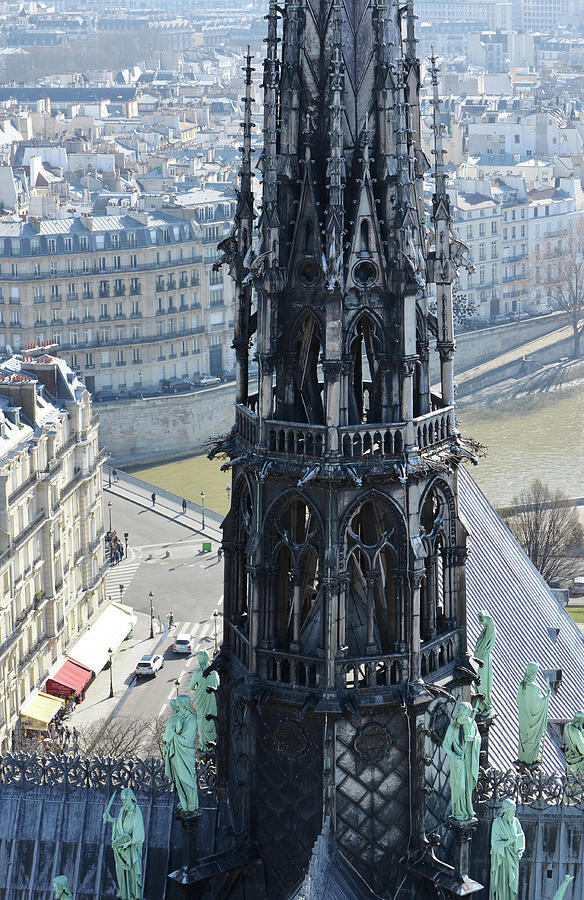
pixel 113 626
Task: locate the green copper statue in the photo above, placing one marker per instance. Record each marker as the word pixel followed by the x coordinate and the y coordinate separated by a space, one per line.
pixel 61 888
pixel 462 743
pixel 127 841
pixel 180 759
pixel 563 887
pixel 574 735
pixel 205 701
pixel 483 651
pixel 533 712
pixel 507 848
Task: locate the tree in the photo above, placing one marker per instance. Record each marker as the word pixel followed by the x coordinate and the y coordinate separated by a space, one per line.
pixel 560 268
pixel 546 524
pixel 122 736
pixel 462 307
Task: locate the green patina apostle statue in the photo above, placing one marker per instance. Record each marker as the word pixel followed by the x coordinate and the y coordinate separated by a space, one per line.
pixel 180 759
pixel 61 888
pixel 462 743
pixel 533 713
pixel 574 735
pixel 483 651
pixel 507 848
pixel 127 841
pixel 204 687
pixel 563 887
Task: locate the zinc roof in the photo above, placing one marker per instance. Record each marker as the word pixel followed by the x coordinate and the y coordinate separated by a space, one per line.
pixel 531 626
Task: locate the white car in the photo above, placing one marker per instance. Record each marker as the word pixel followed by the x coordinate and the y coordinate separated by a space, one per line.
pixel 203 380
pixel 183 643
pixel 149 665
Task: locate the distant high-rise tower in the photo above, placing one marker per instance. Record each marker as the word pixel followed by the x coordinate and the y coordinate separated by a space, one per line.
pixel 344 554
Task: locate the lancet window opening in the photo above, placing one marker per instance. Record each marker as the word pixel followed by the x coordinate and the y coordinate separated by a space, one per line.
pixel 439 537
pixel 365 389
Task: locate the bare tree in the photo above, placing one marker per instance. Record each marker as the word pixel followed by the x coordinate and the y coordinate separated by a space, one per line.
pixel 560 269
pixel 547 526
pixel 122 736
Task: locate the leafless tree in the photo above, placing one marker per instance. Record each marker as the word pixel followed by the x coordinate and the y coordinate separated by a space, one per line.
pixel 122 736
pixel 546 524
pixel 560 269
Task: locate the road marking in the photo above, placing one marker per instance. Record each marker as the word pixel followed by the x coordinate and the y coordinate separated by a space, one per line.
pixel 162 708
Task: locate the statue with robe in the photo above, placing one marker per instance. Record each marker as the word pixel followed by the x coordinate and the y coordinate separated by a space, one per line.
pixel 127 841
pixel 204 687
pixel 507 848
pixel 462 743
pixel 574 735
pixel 533 713
pixel 483 651
pixel 563 887
pixel 180 759
pixel 61 888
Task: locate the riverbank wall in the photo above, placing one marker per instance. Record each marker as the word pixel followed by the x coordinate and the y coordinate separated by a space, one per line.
pixel 178 425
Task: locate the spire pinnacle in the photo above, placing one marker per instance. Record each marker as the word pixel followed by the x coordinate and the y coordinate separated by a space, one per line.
pixel 335 225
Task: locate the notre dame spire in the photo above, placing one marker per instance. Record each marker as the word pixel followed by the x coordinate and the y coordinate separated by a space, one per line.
pixel 344 554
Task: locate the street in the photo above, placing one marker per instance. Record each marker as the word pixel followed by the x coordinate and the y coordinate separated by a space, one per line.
pixel 164 559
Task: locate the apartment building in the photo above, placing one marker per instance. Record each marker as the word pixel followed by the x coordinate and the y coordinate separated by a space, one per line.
pixel 477 220
pixel 52 570
pixel 130 298
pixel 512 194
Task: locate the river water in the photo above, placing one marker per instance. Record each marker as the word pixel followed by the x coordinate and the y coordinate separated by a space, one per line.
pixel 536 436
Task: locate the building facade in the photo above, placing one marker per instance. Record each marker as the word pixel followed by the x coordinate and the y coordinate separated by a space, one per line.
pixel 52 569
pixel 130 299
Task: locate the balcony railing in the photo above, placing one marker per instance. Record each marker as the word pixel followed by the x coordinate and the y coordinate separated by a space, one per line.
pixel 355 441
pixel 85 275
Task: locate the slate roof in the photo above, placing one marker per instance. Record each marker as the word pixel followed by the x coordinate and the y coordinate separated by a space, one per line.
pixel 530 623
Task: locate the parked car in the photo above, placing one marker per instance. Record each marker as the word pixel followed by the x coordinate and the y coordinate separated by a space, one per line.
pixel 105 397
pixel 149 665
pixel 204 380
pixel 183 643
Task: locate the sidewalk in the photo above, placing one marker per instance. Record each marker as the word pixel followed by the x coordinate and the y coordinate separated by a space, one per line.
pixel 164 506
pixel 97 703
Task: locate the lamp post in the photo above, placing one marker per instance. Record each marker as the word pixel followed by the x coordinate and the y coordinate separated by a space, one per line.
pixel 215 615
pixel 121 586
pixel 140 376
pixel 151 596
pixel 126 536
pixel 109 464
pixel 203 509
pixel 109 509
pixel 177 685
pixel 110 654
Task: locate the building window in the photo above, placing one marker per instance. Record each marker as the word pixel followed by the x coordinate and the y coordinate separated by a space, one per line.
pixel 119 308
pixel 74 338
pixel 493 228
pixel 482 251
pixel 131 239
pixel 52 245
pixel 121 360
pixel 89 360
pixel 135 307
pixel 135 332
pixel 494 250
pixel 83 242
pixel 104 311
pixel 133 261
pixel 68 244
pixel 115 240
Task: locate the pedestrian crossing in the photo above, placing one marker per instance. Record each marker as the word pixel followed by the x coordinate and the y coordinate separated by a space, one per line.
pixel 120 574
pixel 203 635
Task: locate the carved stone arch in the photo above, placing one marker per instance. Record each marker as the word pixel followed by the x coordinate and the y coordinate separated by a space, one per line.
pixel 443 488
pixel 364 338
pixel 241 485
pixel 271 537
pixel 438 596
pixel 297 323
pixel 293 547
pixel 304 344
pixel 374 553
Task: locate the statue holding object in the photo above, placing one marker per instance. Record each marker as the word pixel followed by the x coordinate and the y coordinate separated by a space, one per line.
pixel 533 714
pixel 204 687
pixel 483 652
pixel 574 735
pixel 462 743
pixel 180 758
pixel 507 848
pixel 127 842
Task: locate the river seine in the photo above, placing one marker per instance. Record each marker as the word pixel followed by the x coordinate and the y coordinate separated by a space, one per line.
pixel 536 436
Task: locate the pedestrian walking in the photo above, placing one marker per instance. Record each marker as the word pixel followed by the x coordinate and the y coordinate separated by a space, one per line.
pixel 170 620
pixel 184 506
pixel 115 475
pixel 153 498
pixel 219 553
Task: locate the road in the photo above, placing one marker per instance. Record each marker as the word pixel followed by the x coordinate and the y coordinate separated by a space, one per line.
pixel 164 558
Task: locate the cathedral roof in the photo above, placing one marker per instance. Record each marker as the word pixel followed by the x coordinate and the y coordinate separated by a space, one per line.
pixel 531 626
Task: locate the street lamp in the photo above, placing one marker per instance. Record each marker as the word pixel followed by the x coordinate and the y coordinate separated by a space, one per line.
pixel 177 685
pixel 109 463
pixel 151 595
pixel 110 654
pixel 126 536
pixel 109 509
pixel 140 376
pixel 121 586
pixel 215 615
pixel 203 509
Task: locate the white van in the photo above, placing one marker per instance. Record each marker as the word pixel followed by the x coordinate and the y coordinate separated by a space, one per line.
pixel 577 587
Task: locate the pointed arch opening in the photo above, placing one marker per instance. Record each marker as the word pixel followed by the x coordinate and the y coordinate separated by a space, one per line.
pixel 365 389
pixel 438 595
pixel 310 383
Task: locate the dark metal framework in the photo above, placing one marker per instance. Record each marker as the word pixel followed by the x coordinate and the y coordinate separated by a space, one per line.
pixel 344 555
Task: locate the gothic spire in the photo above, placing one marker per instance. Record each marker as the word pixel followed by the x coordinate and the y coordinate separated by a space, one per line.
pixel 335 220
